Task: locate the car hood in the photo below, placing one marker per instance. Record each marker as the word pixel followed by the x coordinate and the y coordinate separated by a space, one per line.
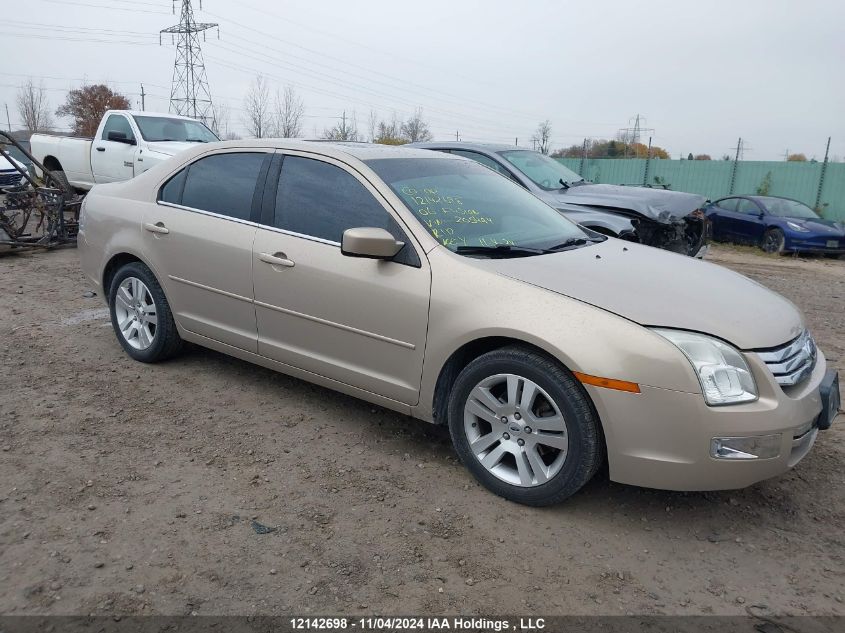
pixel 656 204
pixel 169 148
pixel 654 287
pixel 820 225
pixel 5 165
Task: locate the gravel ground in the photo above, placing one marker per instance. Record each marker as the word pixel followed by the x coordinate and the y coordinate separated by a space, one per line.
pixel 142 489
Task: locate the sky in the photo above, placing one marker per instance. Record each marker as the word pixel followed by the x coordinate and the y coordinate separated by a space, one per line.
pixel 701 74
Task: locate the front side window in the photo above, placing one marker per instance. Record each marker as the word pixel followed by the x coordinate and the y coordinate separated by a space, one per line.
pixel 729 204
pixel 484 160
pixel 545 172
pixel 159 128
pixel 117 123
pixel 222 183
pixel 463 204
pixel 321 200
pixel 748 207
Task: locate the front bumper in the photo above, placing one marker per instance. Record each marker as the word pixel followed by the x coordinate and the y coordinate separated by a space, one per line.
pixel 662 438
pixel 833 245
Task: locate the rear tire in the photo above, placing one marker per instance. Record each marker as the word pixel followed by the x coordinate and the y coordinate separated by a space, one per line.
pixel 58 178
pixel 773 241
pixel 141 316
pixel 549 444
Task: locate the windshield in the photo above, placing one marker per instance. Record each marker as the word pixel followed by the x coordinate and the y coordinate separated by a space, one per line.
pixel 461 204
pixel 788 208
pixel 157 128
pixel 543 171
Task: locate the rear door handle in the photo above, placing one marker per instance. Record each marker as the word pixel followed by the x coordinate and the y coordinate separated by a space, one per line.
pixel 277 259
pixel 158 227
pixel 101 149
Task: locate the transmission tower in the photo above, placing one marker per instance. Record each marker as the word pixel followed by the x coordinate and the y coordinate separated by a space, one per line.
pixel 631 135
pixel 189 94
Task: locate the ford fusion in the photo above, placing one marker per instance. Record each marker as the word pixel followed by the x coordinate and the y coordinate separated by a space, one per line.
pixel 430 285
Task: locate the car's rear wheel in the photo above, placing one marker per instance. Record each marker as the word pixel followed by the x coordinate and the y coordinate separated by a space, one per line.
pixel 524 427
pixel 773 241
pixel 141 316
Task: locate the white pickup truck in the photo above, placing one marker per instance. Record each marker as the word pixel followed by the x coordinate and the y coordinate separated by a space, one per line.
pixel 127 143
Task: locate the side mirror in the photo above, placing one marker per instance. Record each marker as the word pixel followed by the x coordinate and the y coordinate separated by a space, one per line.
pixel 369 242
pixel 120 137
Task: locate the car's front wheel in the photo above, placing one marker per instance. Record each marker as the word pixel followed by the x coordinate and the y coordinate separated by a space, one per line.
pixel 774 241
pixel 141 316
pixel 524 427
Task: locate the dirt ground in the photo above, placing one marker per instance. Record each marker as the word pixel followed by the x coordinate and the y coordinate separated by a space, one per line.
pixel 132 489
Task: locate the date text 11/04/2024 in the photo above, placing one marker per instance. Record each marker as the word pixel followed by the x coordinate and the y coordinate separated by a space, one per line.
pixel 374 623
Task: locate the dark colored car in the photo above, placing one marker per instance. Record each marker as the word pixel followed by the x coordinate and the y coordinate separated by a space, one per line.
pixel 672 220
pixel 777 225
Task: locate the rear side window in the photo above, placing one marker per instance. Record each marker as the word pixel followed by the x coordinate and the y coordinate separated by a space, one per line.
pixel 321 200
pixel 172 190
pixel 484 160
pixel 223 183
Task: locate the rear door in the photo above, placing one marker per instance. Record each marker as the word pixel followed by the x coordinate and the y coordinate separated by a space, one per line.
pixel 114 161
pixel 199 238
pixel 359 321
pixel 723 219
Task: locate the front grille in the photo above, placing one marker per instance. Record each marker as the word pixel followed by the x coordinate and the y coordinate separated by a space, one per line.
pixel 793 362
pixel 9 178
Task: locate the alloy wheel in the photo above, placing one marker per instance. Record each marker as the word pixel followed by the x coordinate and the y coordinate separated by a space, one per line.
pixel 515 430
pixel 136 313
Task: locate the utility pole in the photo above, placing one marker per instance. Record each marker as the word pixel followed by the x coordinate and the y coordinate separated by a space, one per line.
pixel 821 176
pixel 516 142
pixel 457 136
pixel 8 121
pixel 143 104
pixel 189 93
pixel 583 158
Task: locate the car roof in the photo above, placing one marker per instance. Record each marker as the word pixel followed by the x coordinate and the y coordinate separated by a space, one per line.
pixel 482 147
pixel 337 149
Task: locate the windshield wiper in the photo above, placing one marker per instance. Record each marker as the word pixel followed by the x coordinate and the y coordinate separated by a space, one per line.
pixel 563 184
pixel 576 241
pixel 195 140
pixel 501 250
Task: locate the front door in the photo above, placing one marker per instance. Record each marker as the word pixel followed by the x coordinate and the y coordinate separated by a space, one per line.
pixel 200 236
pixel 359 321
pixel 114 161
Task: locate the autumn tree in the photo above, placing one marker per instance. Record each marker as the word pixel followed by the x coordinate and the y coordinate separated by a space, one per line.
pixel 87 105
pixel 797 158
pixel 542 137
pixel 346 129
pixel 415 129
pixel 33 106
pixel 289 112
pixel 703 157
pixel 602 148
pixel 257 116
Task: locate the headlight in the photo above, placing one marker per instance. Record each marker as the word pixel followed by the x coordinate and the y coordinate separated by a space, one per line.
pixel 797 227
pixel 722 371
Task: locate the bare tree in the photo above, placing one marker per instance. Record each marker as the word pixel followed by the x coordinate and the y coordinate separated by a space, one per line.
pixel 257 116
pixel 33 106
pixel 373 125
pixel 344 130
pixel 415 128
pixel 220 117
pixel 542 137
pixel 289 112
pixel 389 132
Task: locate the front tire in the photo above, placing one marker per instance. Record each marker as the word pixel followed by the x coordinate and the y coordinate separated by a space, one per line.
pixel 774 241
pixel 524 427
pixel 141 316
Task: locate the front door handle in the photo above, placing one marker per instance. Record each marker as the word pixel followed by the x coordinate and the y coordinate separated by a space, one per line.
pixel 158 227
pixel 101 149
pixel 277 259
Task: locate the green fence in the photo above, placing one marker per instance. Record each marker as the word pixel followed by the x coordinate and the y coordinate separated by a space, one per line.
pixel 712 178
